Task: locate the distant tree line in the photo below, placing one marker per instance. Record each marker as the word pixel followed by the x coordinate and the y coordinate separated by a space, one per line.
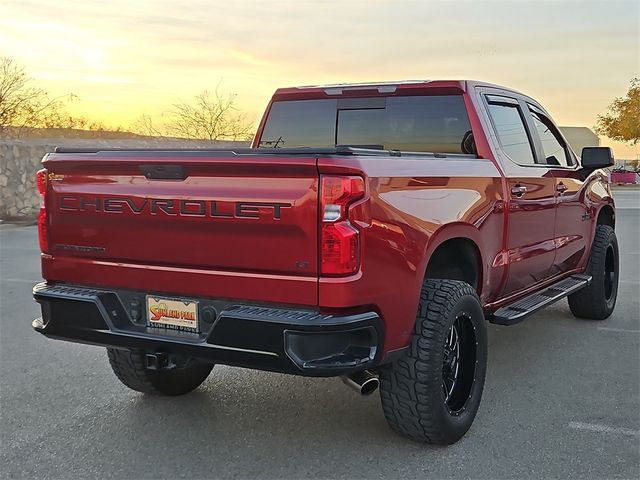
pixel 25 108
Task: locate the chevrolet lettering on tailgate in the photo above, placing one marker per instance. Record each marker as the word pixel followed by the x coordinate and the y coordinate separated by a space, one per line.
pixel 155 206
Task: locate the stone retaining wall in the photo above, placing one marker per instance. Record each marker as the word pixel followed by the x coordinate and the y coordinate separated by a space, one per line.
pixel 20 160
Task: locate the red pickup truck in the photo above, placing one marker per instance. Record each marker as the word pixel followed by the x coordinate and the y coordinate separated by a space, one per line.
pixel 370 232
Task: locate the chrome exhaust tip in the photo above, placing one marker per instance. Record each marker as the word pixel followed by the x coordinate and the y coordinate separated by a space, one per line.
pixel 363 382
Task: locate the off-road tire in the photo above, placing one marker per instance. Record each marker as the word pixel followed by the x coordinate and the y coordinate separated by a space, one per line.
pixel 597 300
pixel 411 388
pixel 130 368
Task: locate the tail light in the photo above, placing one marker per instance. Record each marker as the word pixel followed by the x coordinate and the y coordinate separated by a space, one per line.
pixel 41 182
pixel 339 239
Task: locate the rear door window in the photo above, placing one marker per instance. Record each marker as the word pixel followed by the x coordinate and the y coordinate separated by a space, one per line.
pixel 512 134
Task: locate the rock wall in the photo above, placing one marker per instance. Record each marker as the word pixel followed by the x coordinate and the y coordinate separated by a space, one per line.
pixel 19 199
pixel 20 160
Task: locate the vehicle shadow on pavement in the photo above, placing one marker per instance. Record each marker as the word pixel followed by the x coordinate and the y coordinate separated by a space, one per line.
pixel 254 420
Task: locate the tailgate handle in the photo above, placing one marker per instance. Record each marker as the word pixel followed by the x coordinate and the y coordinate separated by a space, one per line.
pixel 163 172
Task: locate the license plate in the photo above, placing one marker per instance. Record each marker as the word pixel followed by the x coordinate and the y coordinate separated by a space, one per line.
pixel 172 313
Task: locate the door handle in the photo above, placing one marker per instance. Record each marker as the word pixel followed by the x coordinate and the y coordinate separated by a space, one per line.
pixel 561 187
pixel 518 190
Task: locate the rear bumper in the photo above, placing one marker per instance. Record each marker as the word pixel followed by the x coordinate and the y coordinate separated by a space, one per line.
pixel 302 342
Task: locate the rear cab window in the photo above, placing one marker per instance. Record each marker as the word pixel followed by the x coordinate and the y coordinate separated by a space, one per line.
pixel 300 123
pixel 433 123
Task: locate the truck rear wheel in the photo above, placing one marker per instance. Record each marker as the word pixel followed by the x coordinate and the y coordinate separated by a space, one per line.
pixel 185 374
pixel 433 392
pixel 597 300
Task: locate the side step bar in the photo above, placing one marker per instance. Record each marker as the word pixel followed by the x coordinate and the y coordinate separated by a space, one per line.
pixel 518 311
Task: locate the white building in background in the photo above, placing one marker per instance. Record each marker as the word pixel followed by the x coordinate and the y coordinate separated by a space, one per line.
pixel 579 137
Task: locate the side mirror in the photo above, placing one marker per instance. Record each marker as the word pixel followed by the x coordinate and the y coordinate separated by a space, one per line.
pixel 597 157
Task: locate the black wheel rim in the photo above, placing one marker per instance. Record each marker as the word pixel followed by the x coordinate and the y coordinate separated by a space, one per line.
pixel 459 364
pixel 451 361
pixel 610 272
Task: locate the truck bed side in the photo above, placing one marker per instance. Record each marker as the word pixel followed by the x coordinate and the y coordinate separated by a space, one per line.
pixel 415 205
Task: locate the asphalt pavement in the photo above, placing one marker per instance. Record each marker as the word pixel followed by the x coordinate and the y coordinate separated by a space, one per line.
pixel 561 401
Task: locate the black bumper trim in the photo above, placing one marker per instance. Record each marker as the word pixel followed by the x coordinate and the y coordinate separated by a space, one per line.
pixel 288 340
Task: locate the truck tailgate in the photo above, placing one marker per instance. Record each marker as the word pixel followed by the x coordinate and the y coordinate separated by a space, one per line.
pixel 193 210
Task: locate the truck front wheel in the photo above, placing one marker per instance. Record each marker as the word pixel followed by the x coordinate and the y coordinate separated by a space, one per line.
pixel 597 300
pixel 181 376
pixel 433 392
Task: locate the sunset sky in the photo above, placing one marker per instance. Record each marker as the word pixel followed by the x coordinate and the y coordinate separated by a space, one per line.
pixel 125 58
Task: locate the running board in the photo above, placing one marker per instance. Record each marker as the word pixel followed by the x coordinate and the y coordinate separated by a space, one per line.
pixel 518 311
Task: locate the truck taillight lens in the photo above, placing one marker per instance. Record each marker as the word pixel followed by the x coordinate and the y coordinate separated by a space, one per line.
pixel 41 182
pixel 339 239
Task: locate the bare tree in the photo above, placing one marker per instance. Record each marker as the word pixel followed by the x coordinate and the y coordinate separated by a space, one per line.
pixel 16 96
pixel 240 128
pixel 23 105
pixel 144 125
pixel 211 116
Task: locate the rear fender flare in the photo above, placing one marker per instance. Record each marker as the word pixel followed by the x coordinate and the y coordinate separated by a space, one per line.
pixel 448 232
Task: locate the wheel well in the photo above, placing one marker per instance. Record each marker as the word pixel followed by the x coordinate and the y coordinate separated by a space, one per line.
pixel 456 259
pixel 607 216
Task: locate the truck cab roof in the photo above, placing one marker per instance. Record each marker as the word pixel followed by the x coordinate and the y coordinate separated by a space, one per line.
pixel 386 88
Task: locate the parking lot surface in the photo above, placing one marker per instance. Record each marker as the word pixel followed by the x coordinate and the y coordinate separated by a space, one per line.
pixel 561 400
